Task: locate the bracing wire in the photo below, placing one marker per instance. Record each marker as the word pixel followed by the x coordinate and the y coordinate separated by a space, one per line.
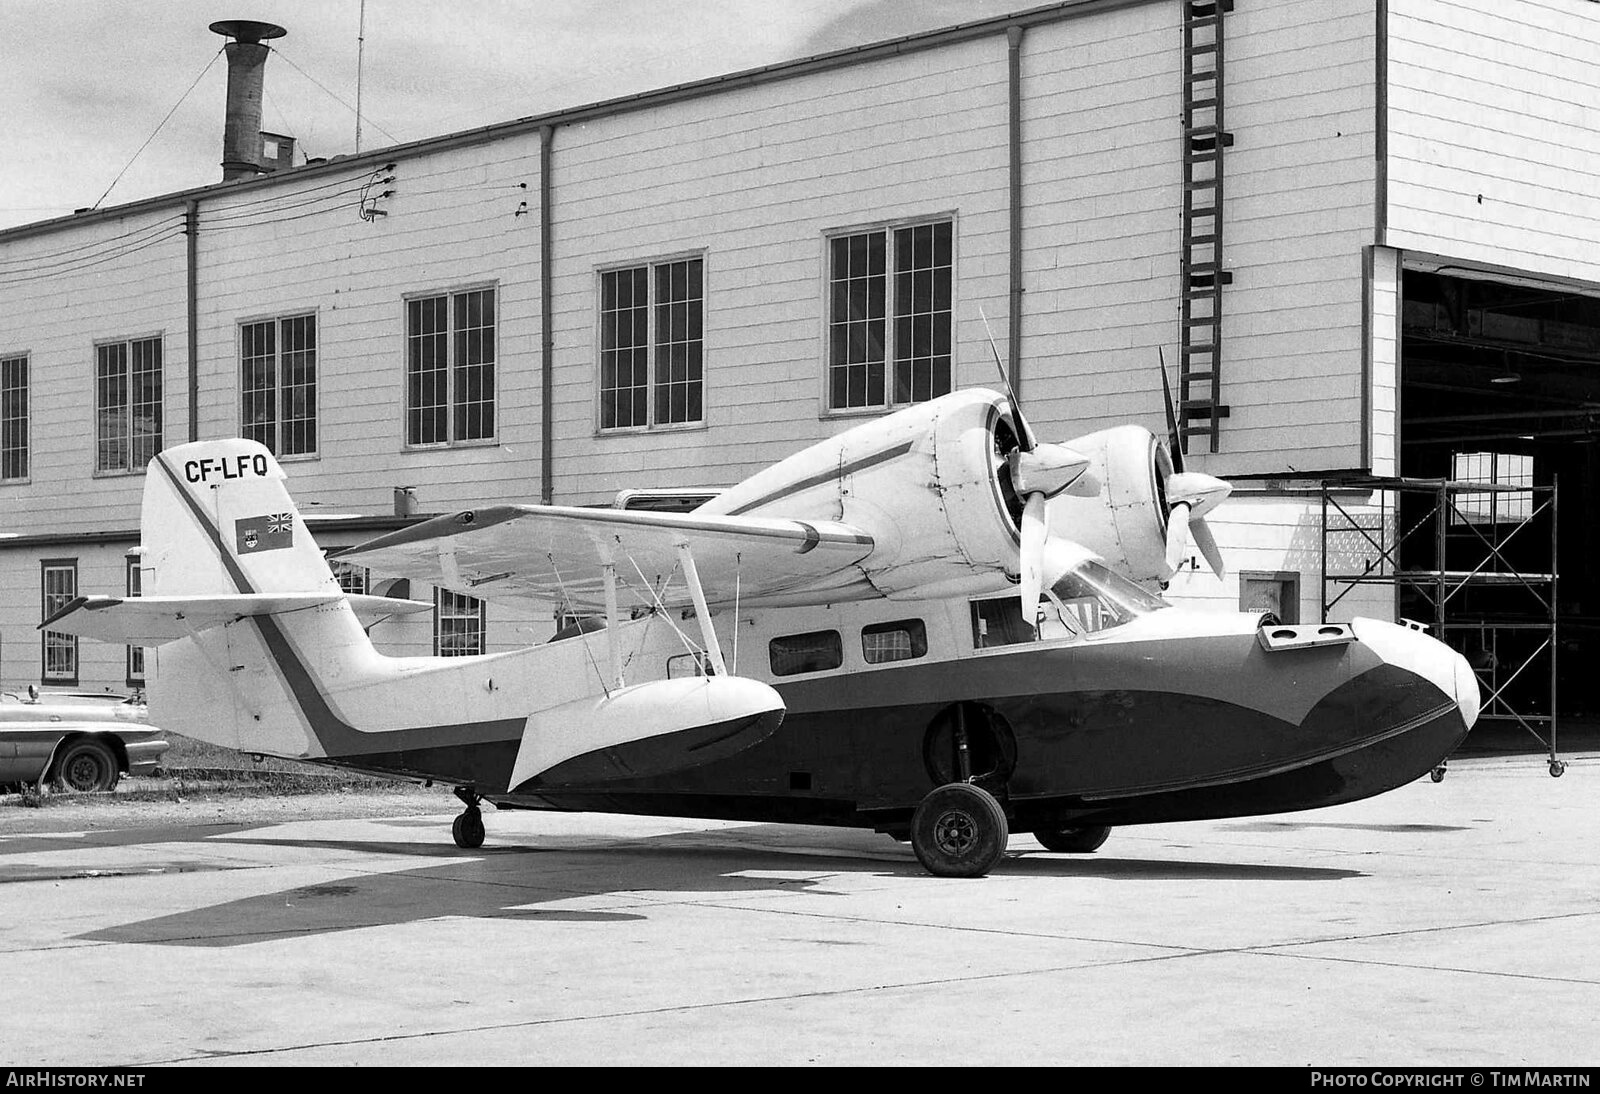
pixel 163 122
pixel 689 645
pixel 336 98
pixel 583 635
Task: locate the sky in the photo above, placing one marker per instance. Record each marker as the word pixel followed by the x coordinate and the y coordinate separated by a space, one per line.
pixel 103 102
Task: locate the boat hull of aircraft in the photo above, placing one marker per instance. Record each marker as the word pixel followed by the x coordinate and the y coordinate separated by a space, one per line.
pixel 1155 723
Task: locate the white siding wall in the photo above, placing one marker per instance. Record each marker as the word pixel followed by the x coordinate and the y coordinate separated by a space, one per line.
pixel 452 223
pixel 62 292
pixel 1103 116
pixel 1494 132
pixel 755 177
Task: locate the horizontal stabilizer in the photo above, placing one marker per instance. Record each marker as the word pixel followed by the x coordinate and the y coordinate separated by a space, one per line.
pixel 155 620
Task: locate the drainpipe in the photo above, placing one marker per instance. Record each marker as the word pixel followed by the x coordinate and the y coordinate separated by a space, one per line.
pixel 191 230
pixel 1014 152
pixel 547 417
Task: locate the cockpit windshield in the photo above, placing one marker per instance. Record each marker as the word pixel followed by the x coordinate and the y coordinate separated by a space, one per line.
pixel 1092 597
pixel 1089 597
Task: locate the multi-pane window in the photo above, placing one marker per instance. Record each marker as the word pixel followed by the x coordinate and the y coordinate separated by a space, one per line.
pixel 458 624
pixel 1497 506
pixel 900 641
pixel 278 383
pixel 652 348
pixel 814 651
pixel 450 362
pixel 58 585
pixel 13 417
pixel 127 403
pixel 889 316
pixel 135 653
pixel 351 578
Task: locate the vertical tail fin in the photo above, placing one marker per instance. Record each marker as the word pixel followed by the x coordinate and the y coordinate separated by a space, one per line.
pixel 218 519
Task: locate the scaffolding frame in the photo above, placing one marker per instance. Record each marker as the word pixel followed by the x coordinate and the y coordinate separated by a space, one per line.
pixel 1439 586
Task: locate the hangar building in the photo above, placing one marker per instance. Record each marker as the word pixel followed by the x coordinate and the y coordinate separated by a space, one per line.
pixel 1364 233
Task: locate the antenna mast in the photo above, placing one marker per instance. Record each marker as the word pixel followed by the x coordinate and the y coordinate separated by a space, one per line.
pixel 361 45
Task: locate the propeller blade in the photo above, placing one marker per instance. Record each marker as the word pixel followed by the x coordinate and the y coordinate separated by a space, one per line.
pixel 1035 528
pixel 1174 442
pixel 1207 543
pixel 1177 535
pixel 1026 440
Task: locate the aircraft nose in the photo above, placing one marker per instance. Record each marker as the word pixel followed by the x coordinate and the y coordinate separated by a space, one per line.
pixel 1426 656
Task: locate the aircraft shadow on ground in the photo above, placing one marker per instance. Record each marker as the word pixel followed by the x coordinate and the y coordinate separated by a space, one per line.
pixel 509 882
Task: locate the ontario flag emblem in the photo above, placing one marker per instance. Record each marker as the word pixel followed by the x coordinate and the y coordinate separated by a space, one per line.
pixel 272 532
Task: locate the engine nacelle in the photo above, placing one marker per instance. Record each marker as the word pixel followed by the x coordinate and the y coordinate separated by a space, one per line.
pixel 930 484
pixel 1127 524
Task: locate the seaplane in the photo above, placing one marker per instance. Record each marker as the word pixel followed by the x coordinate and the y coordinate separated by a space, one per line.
pixel 951 631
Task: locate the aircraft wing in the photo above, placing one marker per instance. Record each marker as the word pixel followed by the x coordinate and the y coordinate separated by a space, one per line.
pixel 557 553
pixel 154 620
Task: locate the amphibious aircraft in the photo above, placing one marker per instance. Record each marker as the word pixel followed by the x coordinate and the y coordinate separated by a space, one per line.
pixel 950 663
pixel 954 653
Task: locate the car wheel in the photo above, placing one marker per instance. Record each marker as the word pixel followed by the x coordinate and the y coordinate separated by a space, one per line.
pixel 85 765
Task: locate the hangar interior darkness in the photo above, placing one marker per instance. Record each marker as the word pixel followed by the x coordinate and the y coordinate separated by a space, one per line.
pixel 1501 382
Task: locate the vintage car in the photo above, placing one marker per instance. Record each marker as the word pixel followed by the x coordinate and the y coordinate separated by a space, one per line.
pixel 75 740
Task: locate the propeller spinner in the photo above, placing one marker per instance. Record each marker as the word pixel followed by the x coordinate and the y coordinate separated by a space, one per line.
pixel 1039 472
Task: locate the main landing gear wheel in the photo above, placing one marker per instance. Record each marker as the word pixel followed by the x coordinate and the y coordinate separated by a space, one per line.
pixel 85 766
pixel 467 830
pixel 1072 841
pixel 959 830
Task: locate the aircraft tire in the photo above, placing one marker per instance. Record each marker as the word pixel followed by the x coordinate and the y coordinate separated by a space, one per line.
pixel 959 830
pixel 1072 841
pixel 85 766
pixel 468 830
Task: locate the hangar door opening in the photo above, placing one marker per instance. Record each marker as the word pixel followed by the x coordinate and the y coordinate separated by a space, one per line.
pixel 1500 384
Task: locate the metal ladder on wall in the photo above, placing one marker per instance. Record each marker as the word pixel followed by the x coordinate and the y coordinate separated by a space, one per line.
pixel 1200 407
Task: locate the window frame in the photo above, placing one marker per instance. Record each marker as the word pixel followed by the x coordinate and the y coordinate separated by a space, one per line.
pixel 916 632
pixel 135 466
pixel 451 440
pixel 833 638
pixel 134 586
pixel 46 610
pixel 653 343
pixel 481 622
pixel 887 229
pixel 277 424
pixel 8 426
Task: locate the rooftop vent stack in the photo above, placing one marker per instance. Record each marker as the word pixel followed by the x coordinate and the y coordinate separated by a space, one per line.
pixel 241 134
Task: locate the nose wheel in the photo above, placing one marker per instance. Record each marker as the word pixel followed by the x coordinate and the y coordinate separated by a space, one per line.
pixel 467 830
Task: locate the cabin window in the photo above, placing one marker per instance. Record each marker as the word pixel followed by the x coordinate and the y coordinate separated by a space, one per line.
pixel 903 640
pixel 652 350
pixel 458 624
pixel 13 418
pixel 127 404
pixel 998 622
pixel 815 651
pixel 889 315
pixel 450 367
pixel 135 587
pixel 58 580
pixel 278 384
pixel 688 664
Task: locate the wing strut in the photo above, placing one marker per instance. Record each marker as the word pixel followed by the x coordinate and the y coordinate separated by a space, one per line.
pixel 708 634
